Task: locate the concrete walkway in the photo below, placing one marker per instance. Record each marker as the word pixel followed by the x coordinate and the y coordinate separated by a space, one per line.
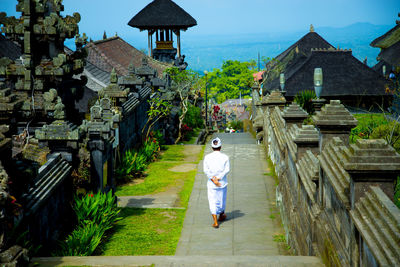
pixel 245 239
pixel 249 229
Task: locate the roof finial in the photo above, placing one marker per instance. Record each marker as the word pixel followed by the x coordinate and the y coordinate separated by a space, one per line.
pixel 312 28
pixel 113 76
pixel 104 35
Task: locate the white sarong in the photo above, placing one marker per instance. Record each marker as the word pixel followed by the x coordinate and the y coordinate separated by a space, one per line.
pixel 217 199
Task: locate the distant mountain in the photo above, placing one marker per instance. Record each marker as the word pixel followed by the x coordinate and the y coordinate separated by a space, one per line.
pixel 208 52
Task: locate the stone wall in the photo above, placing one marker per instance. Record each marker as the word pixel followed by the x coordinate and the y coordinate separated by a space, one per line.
pixel 47 203
pixel 335 199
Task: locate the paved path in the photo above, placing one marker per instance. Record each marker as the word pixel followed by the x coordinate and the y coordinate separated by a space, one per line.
pixel 245 239
pixel 249 230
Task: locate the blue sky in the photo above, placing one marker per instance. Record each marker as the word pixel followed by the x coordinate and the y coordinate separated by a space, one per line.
pixel 234 18
pixel 231 16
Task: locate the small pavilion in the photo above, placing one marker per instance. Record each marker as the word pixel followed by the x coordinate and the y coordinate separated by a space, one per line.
pixel 165 19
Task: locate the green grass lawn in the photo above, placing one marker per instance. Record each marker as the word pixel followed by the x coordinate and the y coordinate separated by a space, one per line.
pixel 158 175
pixel 145 232
pixel 152 231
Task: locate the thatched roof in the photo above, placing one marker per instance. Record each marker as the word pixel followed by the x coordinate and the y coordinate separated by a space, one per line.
pixel 344 75
pixel 291 58
pixel 378 67
pixel 388 39
pixel 391 54
pixel 9 49
pixel 116 53
pixel 162 14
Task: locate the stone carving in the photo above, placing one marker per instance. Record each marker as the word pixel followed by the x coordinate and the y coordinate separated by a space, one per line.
pixel 59 113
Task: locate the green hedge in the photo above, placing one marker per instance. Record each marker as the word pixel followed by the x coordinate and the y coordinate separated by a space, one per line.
pixel 96 213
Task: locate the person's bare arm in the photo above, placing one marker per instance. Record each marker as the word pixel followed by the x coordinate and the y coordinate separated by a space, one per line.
pixel 215 180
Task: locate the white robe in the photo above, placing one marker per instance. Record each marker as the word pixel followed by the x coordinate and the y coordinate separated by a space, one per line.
pixel 216 164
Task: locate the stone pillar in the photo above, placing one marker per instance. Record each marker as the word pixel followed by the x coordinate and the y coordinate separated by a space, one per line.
pixel 149 43
pixel 371 162
pixel 306 138
pixel 178 40
pixel 274 99
pixel 318 103
pixel 294 114
pixel 334 120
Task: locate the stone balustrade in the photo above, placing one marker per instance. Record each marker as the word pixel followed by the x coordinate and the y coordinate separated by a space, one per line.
pixel 335 198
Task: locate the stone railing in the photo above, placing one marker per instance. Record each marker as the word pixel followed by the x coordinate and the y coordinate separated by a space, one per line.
pixel 336 199
pixel 47 203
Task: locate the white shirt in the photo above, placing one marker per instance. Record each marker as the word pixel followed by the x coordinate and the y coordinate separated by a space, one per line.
pixel 216 164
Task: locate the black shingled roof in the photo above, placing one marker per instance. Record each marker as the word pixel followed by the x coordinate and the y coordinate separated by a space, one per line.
pixel 391 54
pixel 162 14
pixel 289 60
pixel 388 39
pixel 344 75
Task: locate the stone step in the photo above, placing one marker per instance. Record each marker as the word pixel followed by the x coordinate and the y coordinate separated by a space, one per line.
pixel 180 261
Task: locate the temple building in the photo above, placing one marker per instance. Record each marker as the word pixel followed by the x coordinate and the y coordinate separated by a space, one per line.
pixel 164 19
pixel 389 57
pixel 344 77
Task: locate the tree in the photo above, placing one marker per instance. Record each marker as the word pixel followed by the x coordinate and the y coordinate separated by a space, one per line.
pixel 158 109
pixel 187 84
pixel 235 77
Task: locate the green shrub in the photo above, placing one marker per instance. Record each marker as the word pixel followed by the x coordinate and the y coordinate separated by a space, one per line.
pixel 98 208
pixel 82 241
pixel 397 193
pixel 304 99
pixel 390 132
pixel 96 213
pixel 193 117
pixel 237 125
pixel 366 125
pixel 135 162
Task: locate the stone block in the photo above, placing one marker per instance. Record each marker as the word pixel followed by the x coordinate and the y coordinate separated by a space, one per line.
pixel 371 162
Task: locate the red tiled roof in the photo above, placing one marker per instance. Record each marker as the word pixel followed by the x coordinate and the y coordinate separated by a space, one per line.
pixel 116 53
pixel 258 75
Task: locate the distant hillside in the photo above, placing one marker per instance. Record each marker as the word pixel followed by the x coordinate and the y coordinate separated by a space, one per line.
pixel 208 52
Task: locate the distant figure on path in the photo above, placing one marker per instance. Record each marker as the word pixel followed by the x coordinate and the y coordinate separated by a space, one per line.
pixel 216 167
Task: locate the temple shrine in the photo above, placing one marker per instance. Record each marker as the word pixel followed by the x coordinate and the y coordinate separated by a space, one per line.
pixel 164 19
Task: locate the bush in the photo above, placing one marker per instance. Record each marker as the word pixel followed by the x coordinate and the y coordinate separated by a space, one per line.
pixel 98 208
pixel 304 99
pixel 366 125
pixel 390 132
pixel 96 213
pixel 237 125
pixel 193 117
pixel 82 241
pixel 135 162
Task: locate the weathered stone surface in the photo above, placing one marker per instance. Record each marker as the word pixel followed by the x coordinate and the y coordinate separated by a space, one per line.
pixel 308 169
pixel 294 114
pixel 331 164
pixel 307 135
pixel 377 220
pixel 274 99
pixel 371 155
pixel 14 257
pixel 371 162
pixel 334 115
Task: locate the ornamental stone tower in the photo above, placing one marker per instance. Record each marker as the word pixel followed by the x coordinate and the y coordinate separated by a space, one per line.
pixel 43 64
